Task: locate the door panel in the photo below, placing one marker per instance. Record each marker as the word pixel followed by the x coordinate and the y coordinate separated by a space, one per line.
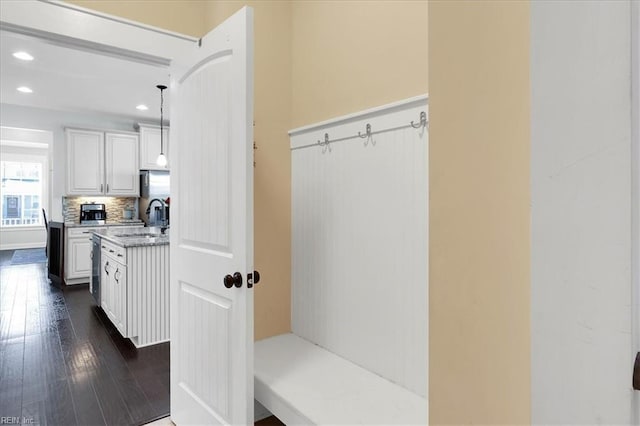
pixel 85 162
pixel 212 227
pixel 122 164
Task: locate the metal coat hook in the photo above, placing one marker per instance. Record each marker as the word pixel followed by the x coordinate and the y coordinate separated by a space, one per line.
pixel 325 144
pixel 368 132
pixel 422 123
pixel 368 135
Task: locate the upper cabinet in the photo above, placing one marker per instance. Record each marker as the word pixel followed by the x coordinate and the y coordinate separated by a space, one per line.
pixel 150 147
pixel 85 162
pixel 100 163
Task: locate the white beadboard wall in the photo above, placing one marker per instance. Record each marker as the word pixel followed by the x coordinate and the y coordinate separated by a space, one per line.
pixel 148 291
pixel 360 242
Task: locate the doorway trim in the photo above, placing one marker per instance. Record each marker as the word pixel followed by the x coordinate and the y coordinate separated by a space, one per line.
pixel 635 196
pixel 83 29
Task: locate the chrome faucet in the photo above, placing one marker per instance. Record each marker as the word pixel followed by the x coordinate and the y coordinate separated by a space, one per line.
pixel 163 206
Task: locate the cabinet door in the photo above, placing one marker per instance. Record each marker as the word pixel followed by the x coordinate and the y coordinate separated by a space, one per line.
pixel 119 302
pixel 78 258
pixel 150 148
pixel 85 162
pixel 105 285
pixel 122 173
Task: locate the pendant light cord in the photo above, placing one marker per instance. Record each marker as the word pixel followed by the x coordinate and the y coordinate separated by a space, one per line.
pixel 161 87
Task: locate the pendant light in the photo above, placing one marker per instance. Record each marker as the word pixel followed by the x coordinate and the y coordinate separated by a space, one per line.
pixel 162 159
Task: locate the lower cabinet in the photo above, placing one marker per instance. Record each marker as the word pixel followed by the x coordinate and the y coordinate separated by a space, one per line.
pixel 77 268
pixel 113 286
pixel 134 291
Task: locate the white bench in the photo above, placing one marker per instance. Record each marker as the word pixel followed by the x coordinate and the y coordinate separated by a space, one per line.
pixel 304 384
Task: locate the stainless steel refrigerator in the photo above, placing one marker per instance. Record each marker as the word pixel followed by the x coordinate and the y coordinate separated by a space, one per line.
pixel 154 188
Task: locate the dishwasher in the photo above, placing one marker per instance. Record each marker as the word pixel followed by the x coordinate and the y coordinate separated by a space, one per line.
pixel 94 283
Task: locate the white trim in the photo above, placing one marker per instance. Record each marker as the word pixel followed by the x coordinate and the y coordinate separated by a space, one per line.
pixel 635 194
pixel 121 20
pixel 21 144
pixel 76 281
pixel 18 228
pixel 403 104
pixel 81 29
pixel 260 411
pixel 20 246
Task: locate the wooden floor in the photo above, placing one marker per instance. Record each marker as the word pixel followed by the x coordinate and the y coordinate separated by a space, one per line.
pixel 63 363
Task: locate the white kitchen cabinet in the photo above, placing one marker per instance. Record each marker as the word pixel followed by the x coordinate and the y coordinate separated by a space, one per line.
pixel 79 258
pixel 121 163
pixel 77 268
pixel 113 291
pixel 85 162
pixel 77 253
pixel 134 288
pixel 106 296
pixel 100 163
pixel 150 147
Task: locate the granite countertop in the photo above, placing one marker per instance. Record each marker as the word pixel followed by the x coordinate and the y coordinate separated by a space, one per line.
pixel 133 236
pixel 109 223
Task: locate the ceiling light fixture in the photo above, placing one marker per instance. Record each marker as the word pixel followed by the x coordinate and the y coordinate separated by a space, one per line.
pixel 24 89
pixel 142 107
pixel 23 56
pixel 162 159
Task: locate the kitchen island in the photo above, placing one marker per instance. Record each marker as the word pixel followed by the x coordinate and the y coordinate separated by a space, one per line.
pixel 134 282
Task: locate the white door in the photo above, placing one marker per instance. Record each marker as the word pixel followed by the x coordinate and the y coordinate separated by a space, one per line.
pixel 212 227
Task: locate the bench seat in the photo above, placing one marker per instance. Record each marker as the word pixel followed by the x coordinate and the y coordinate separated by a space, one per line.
pixel 304 384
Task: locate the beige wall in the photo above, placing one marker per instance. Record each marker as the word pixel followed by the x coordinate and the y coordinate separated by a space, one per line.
pixel 182 16
pixel 479 193
pixel 352 55
pixel 272 179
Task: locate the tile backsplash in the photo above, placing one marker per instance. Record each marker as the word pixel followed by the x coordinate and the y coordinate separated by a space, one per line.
pixel 114 206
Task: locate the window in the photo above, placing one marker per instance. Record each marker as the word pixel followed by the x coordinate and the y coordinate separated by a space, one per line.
pixel 21 193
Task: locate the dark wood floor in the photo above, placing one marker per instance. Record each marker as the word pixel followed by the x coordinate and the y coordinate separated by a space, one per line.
pixel 63 363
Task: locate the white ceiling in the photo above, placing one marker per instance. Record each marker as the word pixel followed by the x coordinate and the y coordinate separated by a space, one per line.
pixel 74 80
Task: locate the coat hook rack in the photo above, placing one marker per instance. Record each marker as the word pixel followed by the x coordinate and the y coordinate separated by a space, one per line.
pixel 422 123
pixel 368 134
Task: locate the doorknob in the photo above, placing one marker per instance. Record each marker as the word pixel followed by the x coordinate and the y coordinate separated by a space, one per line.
pixel 253 278
pixel 230 281
pixel 636 373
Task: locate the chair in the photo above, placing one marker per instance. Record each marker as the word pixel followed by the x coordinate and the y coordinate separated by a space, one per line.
pixel 46 227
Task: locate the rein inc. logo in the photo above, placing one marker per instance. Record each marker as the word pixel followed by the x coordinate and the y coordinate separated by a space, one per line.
pixel 6 420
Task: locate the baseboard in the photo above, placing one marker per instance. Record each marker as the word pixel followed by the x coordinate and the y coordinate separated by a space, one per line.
pixel 21 246
pixel 76 281
pixel 260 412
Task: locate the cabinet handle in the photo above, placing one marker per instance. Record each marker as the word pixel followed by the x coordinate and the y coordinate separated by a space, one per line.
pixel 107 187
pixel 110 251
pixel 115 276
pixel 101 187
pixel 119 254
pixel 105 268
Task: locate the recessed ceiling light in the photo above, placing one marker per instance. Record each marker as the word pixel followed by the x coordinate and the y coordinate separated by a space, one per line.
pixel 23 55
pixel 142 107
pixel 24 89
